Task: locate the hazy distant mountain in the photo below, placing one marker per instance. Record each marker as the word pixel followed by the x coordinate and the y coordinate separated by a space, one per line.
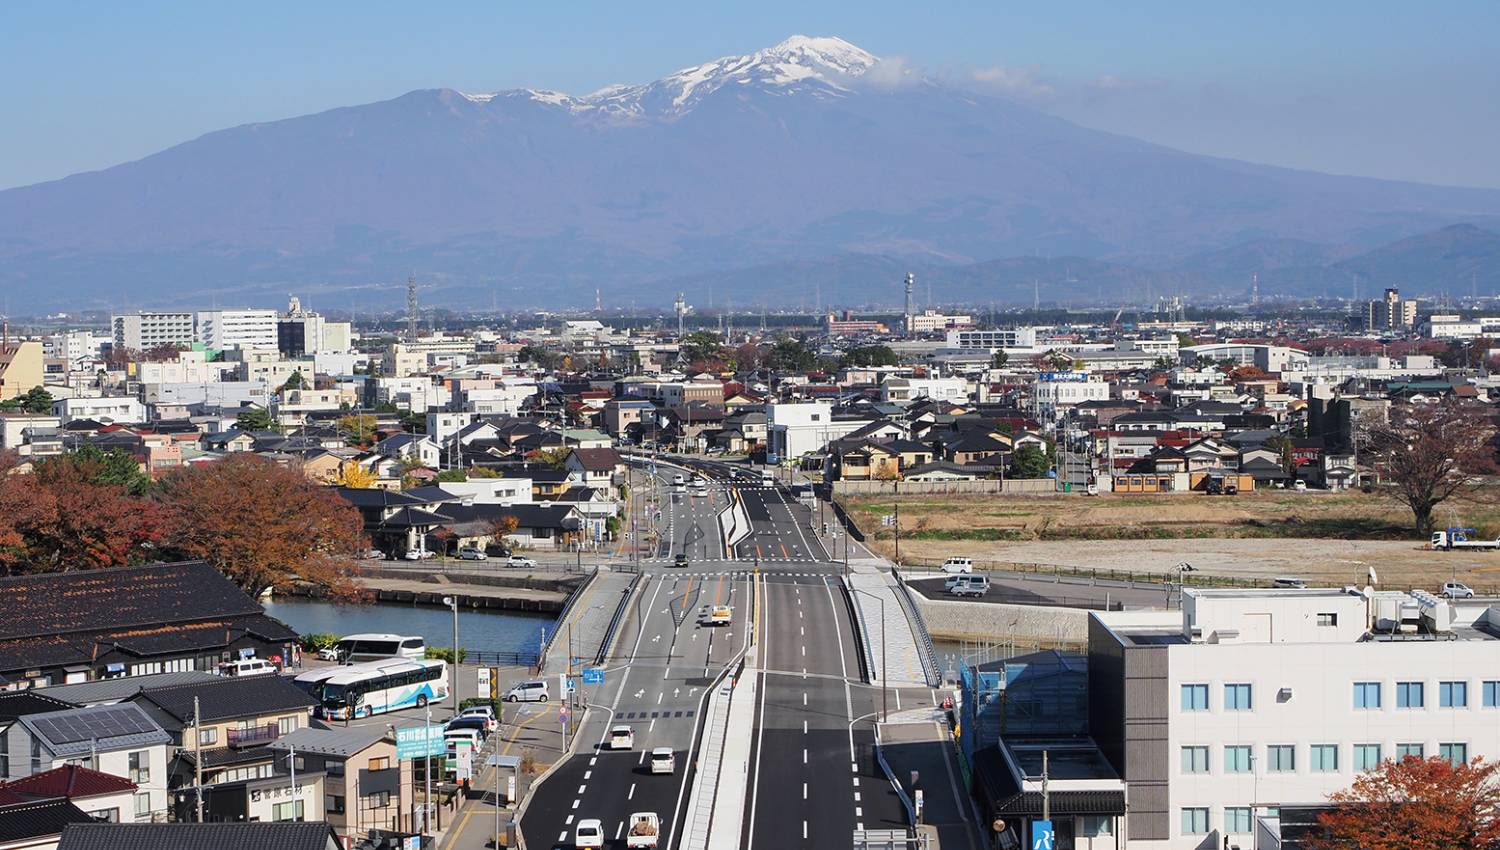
pixel 803 153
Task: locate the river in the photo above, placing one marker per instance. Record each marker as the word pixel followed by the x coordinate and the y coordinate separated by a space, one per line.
pixel 487 631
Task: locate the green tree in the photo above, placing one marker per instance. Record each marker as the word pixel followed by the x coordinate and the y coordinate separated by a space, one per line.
pixel 116 467
pixel 1283 447
pixel 701 346
pixel 34 400
pixel 870 355
pixel 295 382
pixel 414 423
pixel 539 356
pixel 999 359
pixel 792 355
pixel 1029 461
pixel 255 419
pixel 451 476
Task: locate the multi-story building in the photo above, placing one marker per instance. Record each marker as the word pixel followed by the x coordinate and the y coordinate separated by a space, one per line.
pixel 1052 392
pixel 224 329
pixel 931 321
pixel 794 429
pixel 145 331
pixel 996 338
pixel 1245 701
pixel 1391 313
pixel 21 368
pixel 300 332
pixel 847 325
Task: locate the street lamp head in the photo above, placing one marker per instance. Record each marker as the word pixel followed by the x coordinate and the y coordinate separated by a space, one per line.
pixel 448 600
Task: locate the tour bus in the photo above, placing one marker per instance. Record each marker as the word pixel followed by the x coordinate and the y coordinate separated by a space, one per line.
pixel 373 687
pixel 375 647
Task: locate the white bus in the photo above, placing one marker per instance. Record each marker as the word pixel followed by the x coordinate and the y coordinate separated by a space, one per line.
pixel 373 687
pixel 374 647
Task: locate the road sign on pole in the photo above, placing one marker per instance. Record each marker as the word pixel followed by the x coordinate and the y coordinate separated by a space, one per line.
pixel 1042 836
pixel 593 676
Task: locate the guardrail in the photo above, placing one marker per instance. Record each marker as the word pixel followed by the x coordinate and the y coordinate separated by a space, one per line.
pixel 906 803
pixel 914 616
pixel 865 653
pixel 614 622
pixel 516 658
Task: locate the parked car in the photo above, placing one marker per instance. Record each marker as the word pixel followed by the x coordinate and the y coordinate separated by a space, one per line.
pixel 418 555
pixel 247 667
pixel 663 761
pixel 329 653
pixel 958 565
pixel 1288 582
pixel 519 561
pixel 1457 590
pixel 973 586
pixel 372 554
pixel 474 724
pixel 472 553
pixel 531 690
pixel 473 737
pixel 483 712
pixel 621 738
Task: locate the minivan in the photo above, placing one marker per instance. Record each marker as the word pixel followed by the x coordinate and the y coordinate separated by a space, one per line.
pixel 970 585
pixel 247 667
pixel 532 690
pixel 958 565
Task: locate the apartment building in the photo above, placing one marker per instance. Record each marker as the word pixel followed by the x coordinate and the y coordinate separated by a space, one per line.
pixel 21 368
pixel 931 321
pixel 999 338
pixel 225 329
pixel 145 331
pixel 1247 701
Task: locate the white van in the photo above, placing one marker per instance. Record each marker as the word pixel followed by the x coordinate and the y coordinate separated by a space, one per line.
pixel 768 479
pixel 247 667
pixel 958 565
pixel 970 586
pixel 532 690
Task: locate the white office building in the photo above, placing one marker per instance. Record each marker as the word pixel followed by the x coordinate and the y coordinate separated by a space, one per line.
pixel 795 429
pixel 145 331
pixel 1247 701
pixel 225 329
pixel 998 338
pixel 1052 392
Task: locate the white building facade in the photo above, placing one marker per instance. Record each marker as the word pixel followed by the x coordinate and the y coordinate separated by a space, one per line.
pixel 225 329
pixel 145 331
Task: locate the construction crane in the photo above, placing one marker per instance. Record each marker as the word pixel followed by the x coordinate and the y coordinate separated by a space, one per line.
pixel 1115 322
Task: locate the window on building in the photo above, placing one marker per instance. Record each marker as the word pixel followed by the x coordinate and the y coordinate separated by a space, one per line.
pixel 1367 695
pixel 1237 697
pixel 1281 758
pixel 290 810
pixel 1454 754
pixel 1328 619
pixel 1409 695
pixel 208 737
pixel 381 763
pixel 1091 826
pixel 1453 694
pixel 1366 756
pixel 335 804
pixel 140 767
pixel 143 805
pixel 286 725
pixel 105 815
pixel 1491 694
pixel 1237 820
pixel 1237 759
pixel 1324 758
pixel 1195 759
pixel 334 768
pixel 1195 821
pixel 1414 750
pixel 1195 697
pixel 379 800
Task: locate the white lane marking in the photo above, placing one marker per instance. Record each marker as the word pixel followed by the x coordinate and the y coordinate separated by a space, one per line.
pixel 582 788
pixel 619 827
pixel 587 774
pixel 804 727
pixel 575 804
pixel 843 667
pixel 856 796
pixel 858 812
pixel 562 836
pixel 593 761
pixel 804 790
pixel 804 755
pixel 568 821
pixel 804 702
pixel 860 826
pixel 856 782
pixel 804 650
pixel 853 767
pixel 804 831
pixel 651 726
pixel 664 693
pixel 631 795
pixel 642 759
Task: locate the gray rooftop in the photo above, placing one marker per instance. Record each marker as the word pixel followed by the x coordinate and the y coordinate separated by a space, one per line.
pixel 118 690
pixel 331 742
pixel 80 731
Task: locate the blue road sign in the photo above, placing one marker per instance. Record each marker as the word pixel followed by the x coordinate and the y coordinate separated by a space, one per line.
pixel 1042 835
pixel 593 676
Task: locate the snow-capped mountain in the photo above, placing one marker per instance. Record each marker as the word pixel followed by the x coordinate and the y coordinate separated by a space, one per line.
pixel 792 157
pixel 799 65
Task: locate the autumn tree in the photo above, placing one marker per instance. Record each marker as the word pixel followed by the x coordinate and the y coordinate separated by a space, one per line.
pixel 82 524
pixel 350 474
pixel 1432 453
pixel 263 525
pixel 554 458
pixel 357 429
pixel 1415 804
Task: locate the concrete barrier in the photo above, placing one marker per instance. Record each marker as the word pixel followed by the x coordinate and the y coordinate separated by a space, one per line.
pixel 957 620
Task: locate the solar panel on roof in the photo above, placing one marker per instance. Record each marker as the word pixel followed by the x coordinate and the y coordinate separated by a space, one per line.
pixel 110 722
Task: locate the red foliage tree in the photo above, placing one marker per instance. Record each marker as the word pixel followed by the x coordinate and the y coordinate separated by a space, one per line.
pixel 80 523
pixel 263 525
pixel 1415 804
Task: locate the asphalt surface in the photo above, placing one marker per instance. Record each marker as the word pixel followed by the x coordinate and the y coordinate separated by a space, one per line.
pixel 814 775
pixel 1020 590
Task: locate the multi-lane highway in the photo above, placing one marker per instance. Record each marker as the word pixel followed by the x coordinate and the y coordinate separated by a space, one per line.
pixel 813 777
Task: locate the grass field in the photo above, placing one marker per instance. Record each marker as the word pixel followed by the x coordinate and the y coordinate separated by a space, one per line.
pixel 1320 536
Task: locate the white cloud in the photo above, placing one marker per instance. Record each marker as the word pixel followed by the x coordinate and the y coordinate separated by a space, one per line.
pixel 892 72
pixel 1023 83
pixel 1107 83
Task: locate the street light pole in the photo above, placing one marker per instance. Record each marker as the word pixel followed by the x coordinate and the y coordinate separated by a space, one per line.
pixel 452 602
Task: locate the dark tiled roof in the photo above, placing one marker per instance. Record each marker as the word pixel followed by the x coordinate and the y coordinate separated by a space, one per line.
pixel 229 698
pixel 64 603
pixel 598 459
pixel 312 835
pixel 71 781
pixel 20 703
pixel 36 819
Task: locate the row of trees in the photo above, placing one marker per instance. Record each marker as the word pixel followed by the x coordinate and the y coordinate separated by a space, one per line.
pixel 263 525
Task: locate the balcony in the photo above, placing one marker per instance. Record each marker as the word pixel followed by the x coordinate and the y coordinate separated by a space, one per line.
pixel 254 735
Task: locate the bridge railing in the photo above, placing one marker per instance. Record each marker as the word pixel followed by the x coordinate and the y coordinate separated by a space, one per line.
pixel 926 650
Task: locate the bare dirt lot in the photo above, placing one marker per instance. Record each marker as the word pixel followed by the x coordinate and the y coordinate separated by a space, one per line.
pixel 1322 537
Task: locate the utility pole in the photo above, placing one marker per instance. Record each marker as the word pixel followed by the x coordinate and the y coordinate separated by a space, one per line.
pixel 291 761
pixel 897 524
pixel 411 309
pixel 1046 799
pixel 197 760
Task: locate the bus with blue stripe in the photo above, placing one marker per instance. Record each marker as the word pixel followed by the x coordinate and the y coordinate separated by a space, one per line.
pixel 375 687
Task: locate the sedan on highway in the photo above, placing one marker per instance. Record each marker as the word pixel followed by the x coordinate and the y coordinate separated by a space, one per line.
pixel 588 834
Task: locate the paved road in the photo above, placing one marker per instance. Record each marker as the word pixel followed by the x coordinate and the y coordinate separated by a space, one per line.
pixel 1022 590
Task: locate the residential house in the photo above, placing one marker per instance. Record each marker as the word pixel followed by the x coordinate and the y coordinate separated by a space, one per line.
pixel 364 780
pixel 395 521
pixel 120 740
pixel 129 621
pixel 103 796
pixel 229 442
pixel 36 824
pixel 595 468
pixel 939 471
pixel 862 460
pixel 418 448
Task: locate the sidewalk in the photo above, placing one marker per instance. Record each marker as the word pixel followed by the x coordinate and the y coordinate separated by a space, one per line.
pixel 588 622
pixel 530 729
pixel 927 749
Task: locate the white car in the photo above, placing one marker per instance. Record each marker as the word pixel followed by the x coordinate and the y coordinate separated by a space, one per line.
pixel 621 738
pixel 663 761
pixel 482 712
pixel 518 561
pixel 958 565
pixel 589 833
pixel 1457 590
pixel 418 555
pixel 328 653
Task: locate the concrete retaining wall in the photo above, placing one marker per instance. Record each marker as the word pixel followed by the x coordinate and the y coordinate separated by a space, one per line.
pixel 1028 486
pixel 957 620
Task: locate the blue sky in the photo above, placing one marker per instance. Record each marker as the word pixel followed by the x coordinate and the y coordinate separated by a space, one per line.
pixel 1395 90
